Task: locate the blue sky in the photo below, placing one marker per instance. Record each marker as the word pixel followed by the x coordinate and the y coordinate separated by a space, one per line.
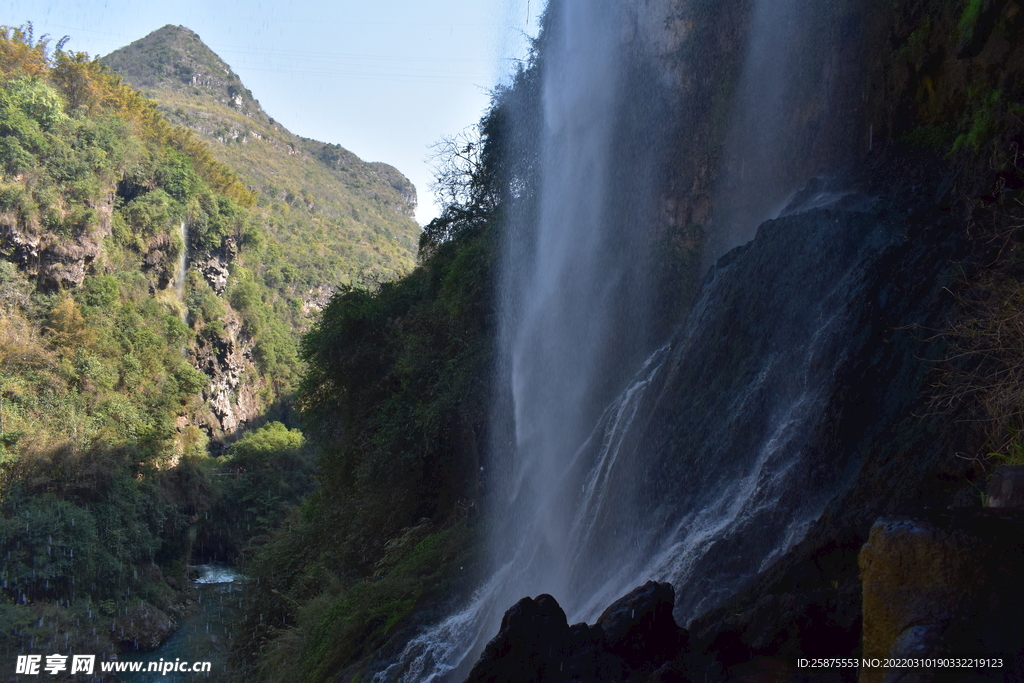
pixel 383 78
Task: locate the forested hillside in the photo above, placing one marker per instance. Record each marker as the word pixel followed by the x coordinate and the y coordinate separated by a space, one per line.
pixel 136 338
pixel 336 218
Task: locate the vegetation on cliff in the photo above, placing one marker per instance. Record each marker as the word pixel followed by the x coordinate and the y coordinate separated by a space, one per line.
pixel 396 396
pixel 106 486
pixel 953 86
pixel 334 219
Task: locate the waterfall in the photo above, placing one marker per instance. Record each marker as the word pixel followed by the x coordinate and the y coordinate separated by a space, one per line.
pixel 564 298
pixel 700 470
pixel 573 318
pixel 179 276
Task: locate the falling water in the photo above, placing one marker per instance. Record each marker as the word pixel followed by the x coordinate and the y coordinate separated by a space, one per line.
pixel 772 147
pixel 573 313
pixel 686 473
pixel 753 184
pixel 179 276
pixel 565 299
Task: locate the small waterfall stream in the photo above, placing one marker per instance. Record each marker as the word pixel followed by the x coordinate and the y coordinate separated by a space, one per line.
pixel 180 274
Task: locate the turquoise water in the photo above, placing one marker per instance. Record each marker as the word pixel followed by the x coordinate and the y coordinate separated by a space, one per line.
pixel 204 634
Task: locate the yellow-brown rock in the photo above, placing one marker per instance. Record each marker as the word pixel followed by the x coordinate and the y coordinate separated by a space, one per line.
pixel 940 585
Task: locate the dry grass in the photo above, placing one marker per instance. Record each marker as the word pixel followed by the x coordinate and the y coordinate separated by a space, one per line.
pixel 984 368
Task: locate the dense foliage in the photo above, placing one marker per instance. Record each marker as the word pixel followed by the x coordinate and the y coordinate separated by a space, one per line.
pixel 106 487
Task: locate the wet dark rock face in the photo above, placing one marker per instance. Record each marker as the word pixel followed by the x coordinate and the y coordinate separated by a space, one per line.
pixel 843 298
pixel 793 393
pixel 873 450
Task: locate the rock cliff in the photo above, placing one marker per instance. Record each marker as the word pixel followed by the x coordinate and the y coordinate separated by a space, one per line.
pixel 56 259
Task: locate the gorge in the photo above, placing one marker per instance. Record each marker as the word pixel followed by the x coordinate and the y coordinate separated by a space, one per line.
pixel 711 361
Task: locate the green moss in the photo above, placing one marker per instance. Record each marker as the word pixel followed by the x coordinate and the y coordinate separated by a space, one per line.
pixel 938 137
pixel 915 48
pixel 968 19
pixel 978 125
pixel 343 630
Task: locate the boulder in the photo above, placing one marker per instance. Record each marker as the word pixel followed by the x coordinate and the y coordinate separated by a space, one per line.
pixel 530 644
pixel 588 658
pixel 943 583
pixel 1006 488
pixel 143 627
pixel 535 644
pixel 639 626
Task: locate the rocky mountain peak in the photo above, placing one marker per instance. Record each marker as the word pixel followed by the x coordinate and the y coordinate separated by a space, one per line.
pixel 175 59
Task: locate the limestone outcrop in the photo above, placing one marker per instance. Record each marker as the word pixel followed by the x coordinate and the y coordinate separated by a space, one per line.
pixel 58 260
pixel 232 394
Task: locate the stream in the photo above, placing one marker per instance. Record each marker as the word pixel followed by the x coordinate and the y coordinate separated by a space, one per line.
pixel 203 635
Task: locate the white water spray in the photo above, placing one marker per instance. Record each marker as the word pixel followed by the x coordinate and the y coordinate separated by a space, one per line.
pixel 563 287
pixel 756 180
pixel 564 295
pixel 179 276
